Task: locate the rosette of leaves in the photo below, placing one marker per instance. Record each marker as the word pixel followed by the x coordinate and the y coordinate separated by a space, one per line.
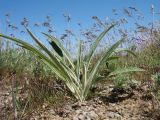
pixel 78 73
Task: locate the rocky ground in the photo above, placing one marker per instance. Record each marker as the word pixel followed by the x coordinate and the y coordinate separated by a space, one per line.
pixel 111 103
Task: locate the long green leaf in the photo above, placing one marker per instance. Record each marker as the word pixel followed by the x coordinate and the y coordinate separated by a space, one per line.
pixel 66 77
pixel 79 57
pixel 111 50
pixel 41 45
pixel 65 52
pixel 128 51
pixel 96 68
pixel 106 56
pixel 112 58
pixel 36 52
pixel 54 59
pixel 95 44
pixel 125 70
pixel 63 67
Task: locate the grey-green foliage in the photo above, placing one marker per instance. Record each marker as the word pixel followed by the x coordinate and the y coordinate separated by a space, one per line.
pixel 14 59
pixel 124 80
pixel 121 80
pixel 156 85
pixel 78 74
pixel 156 78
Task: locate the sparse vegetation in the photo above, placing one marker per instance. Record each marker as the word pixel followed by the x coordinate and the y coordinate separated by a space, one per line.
pixel 67 73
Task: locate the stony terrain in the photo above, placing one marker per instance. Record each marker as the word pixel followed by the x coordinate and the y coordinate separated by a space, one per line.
pixel 128 106
pixel 111 103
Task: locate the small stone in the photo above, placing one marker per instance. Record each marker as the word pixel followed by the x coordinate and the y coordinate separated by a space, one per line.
pixel 110 115
pixel 81 117
pixel 78 111
pixel 93 115
pixel 75 118
pixel 82 103
pixel 113 115
pixel 51 111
